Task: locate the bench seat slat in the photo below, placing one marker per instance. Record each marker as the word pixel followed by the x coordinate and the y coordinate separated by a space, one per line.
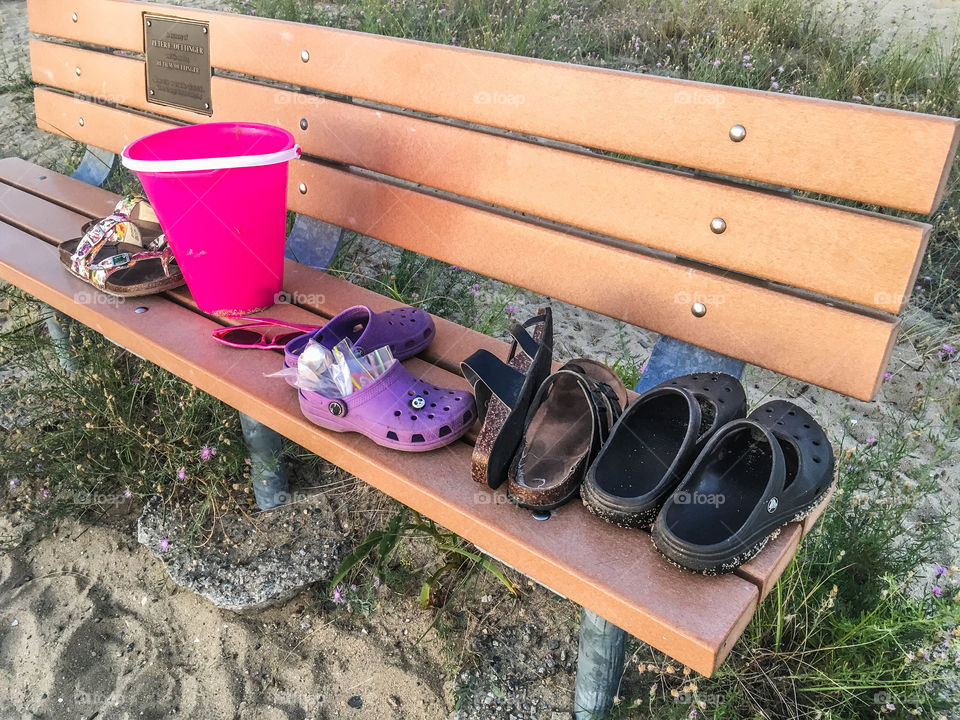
pixel 859 257
pixel 32 196
pixel 605 568
pixel 829 346
pixel 869 154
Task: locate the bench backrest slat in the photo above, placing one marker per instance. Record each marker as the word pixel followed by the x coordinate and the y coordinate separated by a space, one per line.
pixel 830 346
pixel 805 244
pixel 873 155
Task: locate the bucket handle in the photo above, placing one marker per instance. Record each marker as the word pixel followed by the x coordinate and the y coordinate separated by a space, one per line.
pixel 216 163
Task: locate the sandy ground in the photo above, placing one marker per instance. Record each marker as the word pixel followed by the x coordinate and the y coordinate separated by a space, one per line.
pixel 91 625
pixel 903 20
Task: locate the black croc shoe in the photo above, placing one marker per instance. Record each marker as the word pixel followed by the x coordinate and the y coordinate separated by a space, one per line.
pixel 504 391
pixel 753 477
pixel 654 442
pixel 569 419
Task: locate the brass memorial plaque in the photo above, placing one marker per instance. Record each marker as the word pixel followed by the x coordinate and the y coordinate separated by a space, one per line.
pixel 178 62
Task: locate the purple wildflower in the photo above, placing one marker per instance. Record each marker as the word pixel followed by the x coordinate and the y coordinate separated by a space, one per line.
pixel 14 482
pixel 127 494
pixel 937 591
pixel 510 309
pixel 135 381
pixel 949 349
pixel 181 474
pixel 871 441
pixel 164 544
pixel 376 581
pixel 45 493
pixel 887 376
pixel 941 570
pixel 891 706
pixel 338 595
pixel 775 85
pixel 207 452
pixel 716 63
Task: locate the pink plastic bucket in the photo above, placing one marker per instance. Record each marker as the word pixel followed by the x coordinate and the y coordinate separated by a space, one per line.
pixel 220 193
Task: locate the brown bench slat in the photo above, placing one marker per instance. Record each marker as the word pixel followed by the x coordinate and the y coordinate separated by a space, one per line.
pixel 860 257
pixel 611 571
pixel 826 345
pixel 869 154
pixel 31 197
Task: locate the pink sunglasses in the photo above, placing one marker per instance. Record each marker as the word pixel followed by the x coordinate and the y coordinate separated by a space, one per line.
pixel 245 337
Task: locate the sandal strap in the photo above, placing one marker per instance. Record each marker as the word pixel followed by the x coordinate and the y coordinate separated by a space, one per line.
pixel 110 230
pixel 525 341
pixel 490 376
pixel 101 271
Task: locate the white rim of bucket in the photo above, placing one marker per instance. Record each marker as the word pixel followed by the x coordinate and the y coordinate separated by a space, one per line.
pixel 217 163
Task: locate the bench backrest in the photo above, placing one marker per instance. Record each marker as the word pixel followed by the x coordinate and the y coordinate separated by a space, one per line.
pixel 505 166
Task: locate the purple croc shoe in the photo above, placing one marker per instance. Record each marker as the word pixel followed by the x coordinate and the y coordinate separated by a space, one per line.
pixel 397 410
pixel 407 330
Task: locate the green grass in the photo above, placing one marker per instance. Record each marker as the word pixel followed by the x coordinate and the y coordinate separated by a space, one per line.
pixel 441 289
pixel 118 428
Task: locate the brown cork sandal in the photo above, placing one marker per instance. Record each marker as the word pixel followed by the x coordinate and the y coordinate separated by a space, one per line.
pixel 125 254
pixel 504 391
pixel 568 422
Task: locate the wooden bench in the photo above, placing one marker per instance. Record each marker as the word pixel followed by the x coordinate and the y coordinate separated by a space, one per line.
pixel 506 166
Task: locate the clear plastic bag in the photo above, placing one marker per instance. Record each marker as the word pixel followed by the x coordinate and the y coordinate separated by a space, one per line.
pixel 336 373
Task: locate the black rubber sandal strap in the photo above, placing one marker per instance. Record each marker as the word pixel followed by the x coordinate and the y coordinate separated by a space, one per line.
pixel 490 376
pixel 721 398
pixel 795 428
pixel 523 339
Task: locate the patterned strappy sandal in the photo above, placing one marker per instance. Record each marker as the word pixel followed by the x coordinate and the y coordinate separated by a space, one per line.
pixel 125 254
pixel 504 391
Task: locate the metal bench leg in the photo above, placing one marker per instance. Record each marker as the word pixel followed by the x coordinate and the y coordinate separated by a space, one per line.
pixel 95 166
pixel 313 242
pixel 267 469
pixel 59 330
pixel 600 660
pixel 671 358
pixel 599 666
